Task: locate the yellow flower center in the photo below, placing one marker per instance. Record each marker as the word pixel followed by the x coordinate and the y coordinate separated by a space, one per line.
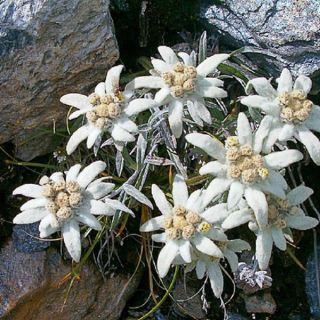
pixel 173 233
pixel 232 141
pixel 188 231
pixel 64 213
pixel 295 106
pixel 263 172
pixel 72 186
pixel 204 226
pixel 179 222
pixel 105 108
pixel 193 217
pixel 243 163
pixel 184 224
pixel 59 185
pixel 74 199
pixel 181 79
pixel 47 190
pixel 62 198
pixel 168 222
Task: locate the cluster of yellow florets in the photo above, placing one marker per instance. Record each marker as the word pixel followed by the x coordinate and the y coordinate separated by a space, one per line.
pixel 295 106
pixel 184 224
pixel 104 109
pixel 243 163
pixel 62 197
pixel 181 79
pixel 277 208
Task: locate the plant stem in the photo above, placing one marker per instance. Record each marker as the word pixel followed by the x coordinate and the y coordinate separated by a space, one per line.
pixel 163 299
pixel 85 257
pixel 30 164
pixel 295 259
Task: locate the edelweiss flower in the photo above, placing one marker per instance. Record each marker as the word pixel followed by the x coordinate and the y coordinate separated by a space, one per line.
pixel 210 265
pixel 181 83
pixel 283 214
pixel 62 202
pixel 187 225
pixel 107 109
pixel 241 169
pixel 292 113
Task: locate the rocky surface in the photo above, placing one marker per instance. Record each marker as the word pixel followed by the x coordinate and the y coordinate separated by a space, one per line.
pixel 236 316
pixel 47 49
pixel 260 303
pixel 26 239
pixel 33 286
pixel 312 282
pixel 184 290
pixel 287 30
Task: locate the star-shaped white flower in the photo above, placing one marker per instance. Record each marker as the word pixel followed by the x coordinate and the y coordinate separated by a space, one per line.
pixel 187 225
pixel 182 83
pixel 106 110
pixel 293 115
pixel 242 169
pixel 209 265
pixel 283 214
pixel 61 202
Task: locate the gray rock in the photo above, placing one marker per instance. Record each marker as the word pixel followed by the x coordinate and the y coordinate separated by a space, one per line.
pixel 48 49
pixel 33 286
pixel 287 30
pixel 19 274
pixel 263 303
pixel 25 238
pixel 185 289
pixel 235 316
pixel 311 280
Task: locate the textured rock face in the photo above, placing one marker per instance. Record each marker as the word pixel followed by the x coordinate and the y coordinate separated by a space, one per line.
pixel 260 303
pixel 25 238
pixel 312 272
pixel 33 287
pixel 183 290
pixel 49 48
pixel 289 30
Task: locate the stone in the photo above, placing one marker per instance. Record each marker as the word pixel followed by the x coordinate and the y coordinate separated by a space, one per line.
pixel 183 290
pixel 48 49
pixel 287 32
pixel 26 239
pixel 236 316
pixel 33 286
pixel 262 303
pixel 312 282
pixel 19 273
